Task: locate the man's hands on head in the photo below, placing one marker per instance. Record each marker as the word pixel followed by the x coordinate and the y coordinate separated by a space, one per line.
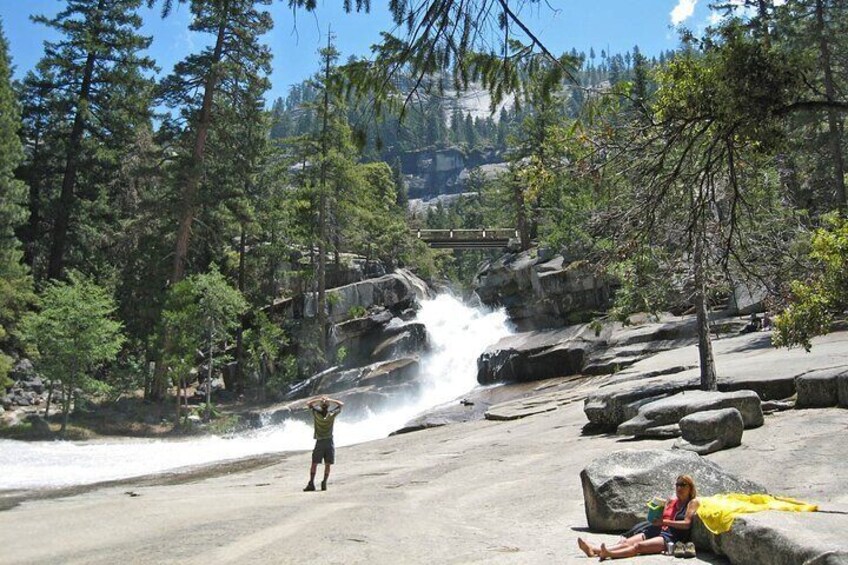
pixel 325 401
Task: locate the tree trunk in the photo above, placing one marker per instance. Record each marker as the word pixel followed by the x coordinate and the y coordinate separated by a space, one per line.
pixel 191 187
pixel 209 380
pixel 259 394
pixel 31 232
pixel 177 396
pixel 66 198
pixel 195 171
pixel 321 306
pixel 833 123
pixel 705 347
pixel 66 408
pixel 321 303
pixel 49 400
pixel 238 385
pixel 520 215
pixel 274 266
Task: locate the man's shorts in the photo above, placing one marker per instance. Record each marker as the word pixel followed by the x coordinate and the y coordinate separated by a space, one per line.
pixel 324 451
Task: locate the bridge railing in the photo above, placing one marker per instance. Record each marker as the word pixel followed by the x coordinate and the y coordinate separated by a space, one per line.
pixel 482 234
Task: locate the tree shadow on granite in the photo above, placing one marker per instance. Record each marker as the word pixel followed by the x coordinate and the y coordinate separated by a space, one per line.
pixel 761 341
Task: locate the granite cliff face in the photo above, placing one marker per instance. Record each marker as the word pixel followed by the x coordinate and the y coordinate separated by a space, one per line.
pixel 541 290
pixel 433 172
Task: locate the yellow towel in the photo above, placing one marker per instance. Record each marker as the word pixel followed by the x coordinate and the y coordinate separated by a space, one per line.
pixel 718 512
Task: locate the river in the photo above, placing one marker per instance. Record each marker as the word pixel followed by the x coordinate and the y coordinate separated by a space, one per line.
pixel 458 335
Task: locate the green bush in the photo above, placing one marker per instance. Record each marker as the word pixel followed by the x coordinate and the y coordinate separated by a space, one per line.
pixel 817 300
pixel 357 312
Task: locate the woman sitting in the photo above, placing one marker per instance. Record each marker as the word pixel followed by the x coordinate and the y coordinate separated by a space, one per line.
pixel 673 527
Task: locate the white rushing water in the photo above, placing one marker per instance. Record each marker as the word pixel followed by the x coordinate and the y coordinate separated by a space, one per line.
pixel 458 335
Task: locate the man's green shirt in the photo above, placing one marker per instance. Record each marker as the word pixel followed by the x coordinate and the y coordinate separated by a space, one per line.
pixel 324 424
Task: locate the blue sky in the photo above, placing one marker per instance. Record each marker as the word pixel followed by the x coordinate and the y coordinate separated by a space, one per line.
pixel 613 25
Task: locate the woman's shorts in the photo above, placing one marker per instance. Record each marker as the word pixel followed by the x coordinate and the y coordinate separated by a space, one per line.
pixel 324 451
pixel 656 531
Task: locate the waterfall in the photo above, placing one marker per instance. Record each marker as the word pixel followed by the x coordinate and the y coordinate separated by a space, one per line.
pixel 458 335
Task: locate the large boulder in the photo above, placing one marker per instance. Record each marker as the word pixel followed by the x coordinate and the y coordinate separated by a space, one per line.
pixel 532 356
pixel 617 486
pixel 668 411
pixel 395 292
pixel 710 431
pixel 39 424
pixel 748 298
pixel 22 370
pixel 541 290
pixel 583 349
pixel 351 269
pixel 402 340
pixel 842 389
pixel 782 538
pixel 377 375
pixel 350 331
pixel 819 389
pixel 610 406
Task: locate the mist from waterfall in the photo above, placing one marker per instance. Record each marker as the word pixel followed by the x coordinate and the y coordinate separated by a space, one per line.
pixel 458 335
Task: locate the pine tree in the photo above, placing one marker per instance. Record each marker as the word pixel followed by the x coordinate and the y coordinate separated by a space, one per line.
pixel 235 56
pixel 640 79
pixel 810 33
pixel 469 132
pixel 15 284
pixel 834 122
pixel 402 200
pixel 40 132
pixel 210 89
pixel 97 79
pixel 331 160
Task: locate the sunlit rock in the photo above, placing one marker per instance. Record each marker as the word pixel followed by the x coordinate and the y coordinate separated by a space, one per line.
pixel 617 486
pixel 710 431
pixel 668 411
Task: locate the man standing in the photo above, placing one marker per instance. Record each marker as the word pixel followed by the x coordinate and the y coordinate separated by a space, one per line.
pixel 323 419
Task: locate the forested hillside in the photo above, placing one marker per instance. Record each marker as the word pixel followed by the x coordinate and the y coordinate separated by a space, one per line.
pixel 437 116
pixel 185 214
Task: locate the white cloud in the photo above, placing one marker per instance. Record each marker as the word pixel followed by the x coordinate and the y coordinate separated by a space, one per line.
pixel 683 11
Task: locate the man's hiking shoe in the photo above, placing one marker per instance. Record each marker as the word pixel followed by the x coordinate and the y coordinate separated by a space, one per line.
pixel 689 550
pixel 679 549
pixel 309 487
pixel 323 485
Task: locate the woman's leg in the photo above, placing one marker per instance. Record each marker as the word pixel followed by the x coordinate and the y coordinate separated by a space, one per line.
pixel 587 548
pixel 633 540
pixel 627 542
pixel 649 546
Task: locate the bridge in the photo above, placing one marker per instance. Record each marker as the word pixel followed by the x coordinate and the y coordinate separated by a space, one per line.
pixel 497 238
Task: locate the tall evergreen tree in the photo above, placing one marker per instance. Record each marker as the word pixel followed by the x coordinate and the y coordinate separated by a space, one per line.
pixel 42 128
pixel 824 34
pixel 98 80
pixel 330 156
pixel 15 285
pixel 236 55
pixel 209 89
